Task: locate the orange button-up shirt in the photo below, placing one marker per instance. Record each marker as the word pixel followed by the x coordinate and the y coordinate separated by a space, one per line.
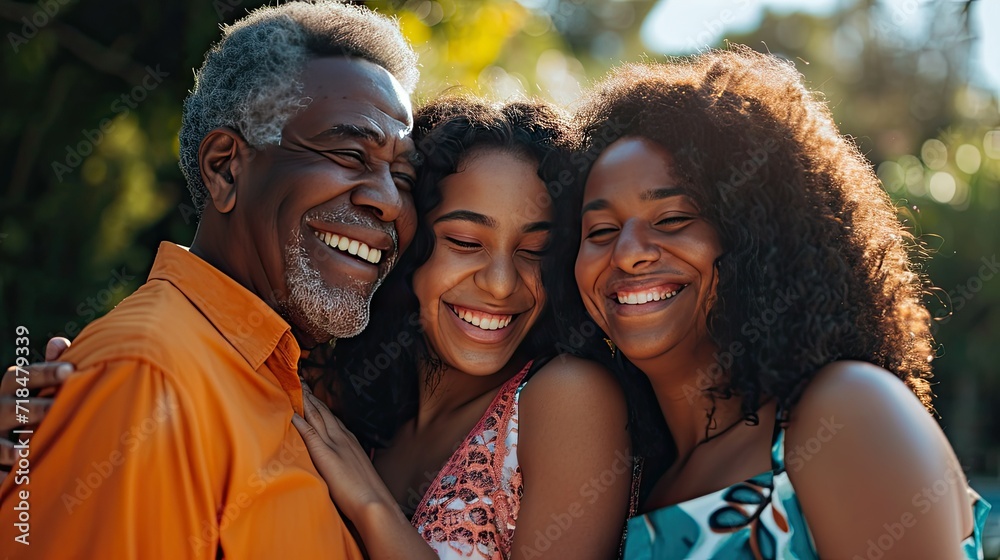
pixel 175 440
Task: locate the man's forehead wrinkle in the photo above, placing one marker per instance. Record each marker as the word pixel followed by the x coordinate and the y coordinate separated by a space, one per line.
pixel 404 126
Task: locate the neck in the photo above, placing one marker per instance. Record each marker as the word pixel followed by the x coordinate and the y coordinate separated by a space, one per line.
pixel 210 245
pixel 681 379
pixel 453 389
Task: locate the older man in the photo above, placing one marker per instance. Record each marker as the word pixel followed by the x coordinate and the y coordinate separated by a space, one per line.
pixel 174 440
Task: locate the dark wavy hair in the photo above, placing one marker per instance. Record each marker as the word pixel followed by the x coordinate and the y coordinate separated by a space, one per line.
pixel 373 377
pixel 800 214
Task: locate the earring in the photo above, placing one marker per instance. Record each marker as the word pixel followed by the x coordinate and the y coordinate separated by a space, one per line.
pixel 611 346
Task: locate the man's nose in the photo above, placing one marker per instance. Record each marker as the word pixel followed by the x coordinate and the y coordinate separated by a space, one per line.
pixel 381 195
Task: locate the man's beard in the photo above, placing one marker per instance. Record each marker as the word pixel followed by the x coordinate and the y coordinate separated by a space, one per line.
pixel 322 310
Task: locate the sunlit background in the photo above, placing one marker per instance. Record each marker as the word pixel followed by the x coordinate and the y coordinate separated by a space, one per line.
pixel 915 83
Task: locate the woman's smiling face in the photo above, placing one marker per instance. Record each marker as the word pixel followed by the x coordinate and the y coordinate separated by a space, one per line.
pixel 646 266
pixel 480 291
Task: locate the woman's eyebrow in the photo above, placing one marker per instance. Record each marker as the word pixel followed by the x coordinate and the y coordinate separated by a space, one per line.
pixel 468 216
pixel 660 194
pixel 594 205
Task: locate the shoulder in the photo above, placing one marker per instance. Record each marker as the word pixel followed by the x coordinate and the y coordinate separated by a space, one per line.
pixel 862 404
pixel 569 381
pixel 156 325
pixel 571 399
pixel 847 381
pixel 859 437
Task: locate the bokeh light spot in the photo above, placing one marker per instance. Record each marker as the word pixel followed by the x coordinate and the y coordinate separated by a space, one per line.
pixel 942 187
pixel 968 158
pixel 934 153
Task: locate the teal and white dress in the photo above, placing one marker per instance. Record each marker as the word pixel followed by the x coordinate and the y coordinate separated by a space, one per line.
pixel 756 519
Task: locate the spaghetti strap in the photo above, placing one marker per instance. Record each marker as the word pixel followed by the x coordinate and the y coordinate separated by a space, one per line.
pixel 778 440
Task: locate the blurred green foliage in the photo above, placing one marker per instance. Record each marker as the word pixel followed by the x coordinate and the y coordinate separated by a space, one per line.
pixel 89 140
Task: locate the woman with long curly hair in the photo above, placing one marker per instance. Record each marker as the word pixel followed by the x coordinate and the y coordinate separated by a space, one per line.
pixel 739 252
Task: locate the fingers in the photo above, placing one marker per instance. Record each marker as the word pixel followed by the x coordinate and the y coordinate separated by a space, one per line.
pixel 322 409
pixel 313 438
pixel 32 411
pixel 307 431
pixel 34 377
pixel 55 347
pixel 315 419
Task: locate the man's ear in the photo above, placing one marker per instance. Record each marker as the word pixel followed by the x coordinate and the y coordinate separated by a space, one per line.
pixel 222 157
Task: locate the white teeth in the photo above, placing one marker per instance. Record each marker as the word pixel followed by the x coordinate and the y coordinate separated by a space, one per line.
pixel 641 298
pixel 351 246
pixel 485 321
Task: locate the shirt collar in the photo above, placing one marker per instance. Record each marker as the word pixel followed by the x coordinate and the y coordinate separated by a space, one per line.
pixel 246 321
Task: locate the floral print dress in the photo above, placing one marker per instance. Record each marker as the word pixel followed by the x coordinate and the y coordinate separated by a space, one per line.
pixel 756 519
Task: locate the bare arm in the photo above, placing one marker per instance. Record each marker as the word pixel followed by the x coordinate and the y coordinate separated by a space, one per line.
pixel 871 468
pixel 573 448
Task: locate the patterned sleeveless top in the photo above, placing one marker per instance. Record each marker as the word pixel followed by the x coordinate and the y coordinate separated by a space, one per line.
pixel 470 509
pixel 756 519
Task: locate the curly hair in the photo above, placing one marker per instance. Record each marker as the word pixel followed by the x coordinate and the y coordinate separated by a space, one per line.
pixel 249 80
pixel 801 216
pixel 373 377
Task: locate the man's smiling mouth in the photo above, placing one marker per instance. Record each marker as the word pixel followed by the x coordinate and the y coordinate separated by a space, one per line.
pixel 351 246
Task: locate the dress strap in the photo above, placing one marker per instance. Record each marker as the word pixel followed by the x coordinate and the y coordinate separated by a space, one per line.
pixel 778 440
pixel 633 503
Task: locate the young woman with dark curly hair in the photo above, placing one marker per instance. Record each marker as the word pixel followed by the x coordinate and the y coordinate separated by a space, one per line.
pixel 741 254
